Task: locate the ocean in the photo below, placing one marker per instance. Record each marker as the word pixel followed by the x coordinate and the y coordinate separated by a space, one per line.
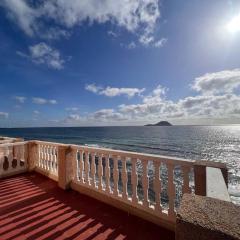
pixel 214 143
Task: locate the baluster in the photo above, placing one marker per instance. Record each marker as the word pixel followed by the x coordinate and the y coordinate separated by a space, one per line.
pixel 87 168
pixel 145 183
pixel 5 154
pixel 134 181
pixel 124 179
pixel 48 158
pixel 10 156
pixel 42 155
pixel 25 147
pixel 15 153
pixel 72 169
pixel 115 175
pixel 186 188
pixel 80 167
pixel 39 155
pixel 15 160
pixel 107 171
pixel 171 191
pixel 100 172
pixel 54 159
pixel 93 170
pixel 21 155
pixel 45 156
pixel 157 187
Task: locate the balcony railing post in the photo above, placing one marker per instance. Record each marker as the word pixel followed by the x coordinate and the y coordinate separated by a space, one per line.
pixel 65 166
pixel 32 156
pixel 62 166
pixel 200 178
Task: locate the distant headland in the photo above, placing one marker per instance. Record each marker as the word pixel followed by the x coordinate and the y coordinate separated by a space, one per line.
pixel 161 123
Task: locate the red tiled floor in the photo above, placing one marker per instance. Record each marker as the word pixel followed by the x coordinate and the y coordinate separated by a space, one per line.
pixel 33 207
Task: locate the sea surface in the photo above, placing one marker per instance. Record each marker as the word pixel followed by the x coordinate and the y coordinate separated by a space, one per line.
pixel 214 143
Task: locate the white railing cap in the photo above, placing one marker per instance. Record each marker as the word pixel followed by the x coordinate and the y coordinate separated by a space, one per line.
pixel 12 144
pixel 127 154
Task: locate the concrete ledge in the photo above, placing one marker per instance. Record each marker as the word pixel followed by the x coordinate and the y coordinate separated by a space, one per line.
pixel 216 186
pixel 221 166
pixel 204 218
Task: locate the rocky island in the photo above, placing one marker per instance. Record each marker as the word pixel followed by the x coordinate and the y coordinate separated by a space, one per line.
pixel 161 123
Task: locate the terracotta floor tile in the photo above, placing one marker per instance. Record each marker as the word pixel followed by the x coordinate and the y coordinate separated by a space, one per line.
pixel 33 207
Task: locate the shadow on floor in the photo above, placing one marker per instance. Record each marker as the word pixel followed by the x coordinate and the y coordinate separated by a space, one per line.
pixel 33 207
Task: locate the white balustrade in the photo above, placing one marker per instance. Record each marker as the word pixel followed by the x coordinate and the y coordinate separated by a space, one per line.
pixel 47 158
pixel 13 158
pixel 143 181
pixel 106 171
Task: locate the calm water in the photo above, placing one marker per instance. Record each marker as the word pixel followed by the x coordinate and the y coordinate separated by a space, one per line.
pixel 215 143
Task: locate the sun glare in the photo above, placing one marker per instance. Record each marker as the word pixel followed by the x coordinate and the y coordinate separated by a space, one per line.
pixel 234 25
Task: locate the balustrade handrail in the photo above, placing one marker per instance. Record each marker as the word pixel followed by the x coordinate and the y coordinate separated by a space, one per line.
pixel 4 145
pixel 123 153
pixel 137 155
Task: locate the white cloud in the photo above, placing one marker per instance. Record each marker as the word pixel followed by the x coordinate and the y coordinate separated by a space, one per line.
pixel 52 101
pixel 20 99
pixel 41 53
pixel 107 115
pixel 131 45
pixel 21 13
pixel 218 103
pixel 92 88
pixel 112 34
pixel 36 112
pixel 160 43
pixel 72 119
pixel 218 82
pixel 133 15
pixel 157 95
pixel 4 115
pixel 42 101
pixel 148 40
pixel 72 109
pixel 113 92
pixel 39 101
pixel 158 110
pixel 55 33
pixel 210 106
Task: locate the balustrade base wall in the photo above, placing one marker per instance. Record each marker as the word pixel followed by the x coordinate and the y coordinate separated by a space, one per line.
pixel 123 206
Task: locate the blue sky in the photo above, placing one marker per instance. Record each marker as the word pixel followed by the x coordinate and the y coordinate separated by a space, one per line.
pixel 95 62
